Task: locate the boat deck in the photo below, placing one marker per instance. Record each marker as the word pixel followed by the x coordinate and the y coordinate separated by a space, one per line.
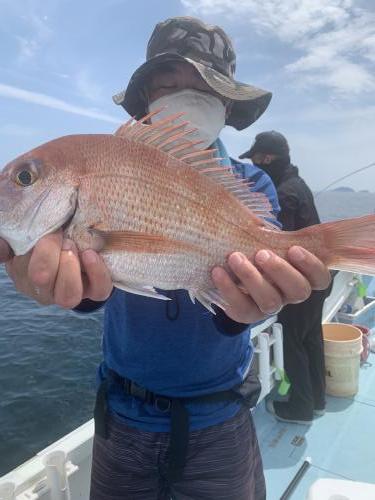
pixel 340 443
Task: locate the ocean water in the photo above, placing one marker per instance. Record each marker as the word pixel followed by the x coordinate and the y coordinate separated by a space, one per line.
pixel 48 358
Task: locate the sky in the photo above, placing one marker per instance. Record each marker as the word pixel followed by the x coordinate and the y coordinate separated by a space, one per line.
pixel 62 60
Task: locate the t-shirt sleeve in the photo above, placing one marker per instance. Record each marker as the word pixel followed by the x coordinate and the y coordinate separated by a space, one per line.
pixel 88 306
pixel 264 184
pixel 226 325
pixel 261 183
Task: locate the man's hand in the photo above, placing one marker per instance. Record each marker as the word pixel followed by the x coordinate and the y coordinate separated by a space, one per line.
pixel 53 273
pixel 5 252
pixel 270 283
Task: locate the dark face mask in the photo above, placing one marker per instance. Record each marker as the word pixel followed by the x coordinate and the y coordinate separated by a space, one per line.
pixel 274 169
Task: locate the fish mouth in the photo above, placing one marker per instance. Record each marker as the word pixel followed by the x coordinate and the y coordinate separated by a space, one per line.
pixel 64 222
pixel 21 248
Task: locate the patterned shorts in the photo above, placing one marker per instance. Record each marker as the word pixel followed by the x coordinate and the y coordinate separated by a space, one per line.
pixel 223 463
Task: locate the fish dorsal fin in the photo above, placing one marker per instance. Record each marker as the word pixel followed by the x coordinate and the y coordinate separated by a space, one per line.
pixel 173 139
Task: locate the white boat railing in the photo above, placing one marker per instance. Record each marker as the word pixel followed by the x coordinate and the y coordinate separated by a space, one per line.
pixel 59 472
pixel 342 288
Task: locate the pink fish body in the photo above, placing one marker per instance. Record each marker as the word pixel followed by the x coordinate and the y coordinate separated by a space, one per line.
pixel 161 212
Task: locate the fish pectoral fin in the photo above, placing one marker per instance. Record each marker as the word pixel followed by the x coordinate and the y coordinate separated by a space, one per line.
pixel 207 298
pixel 140 242
pixel 146 291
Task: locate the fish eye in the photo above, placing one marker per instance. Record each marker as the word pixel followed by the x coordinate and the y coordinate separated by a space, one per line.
pixel 25 178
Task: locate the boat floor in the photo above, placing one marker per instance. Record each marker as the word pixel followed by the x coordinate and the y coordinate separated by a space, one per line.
pixel 340 443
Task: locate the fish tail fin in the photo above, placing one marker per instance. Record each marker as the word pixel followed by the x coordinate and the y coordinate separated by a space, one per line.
pixel 351 244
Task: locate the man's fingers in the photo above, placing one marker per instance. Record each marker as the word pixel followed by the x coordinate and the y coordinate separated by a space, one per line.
pixel 240 307
pixel 52 273
pixel 44 262
pixel 17 269
pixel 311 267
pixel 293 285
pixel 5 251
pixel 98 281
pixel 268 284
pixel 266 296
pixel 68 286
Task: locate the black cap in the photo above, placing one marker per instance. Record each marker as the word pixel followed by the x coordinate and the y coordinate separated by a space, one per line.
pixel 210 51
pixel 271 142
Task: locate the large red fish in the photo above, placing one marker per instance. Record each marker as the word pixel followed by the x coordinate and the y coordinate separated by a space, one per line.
pixel 161 212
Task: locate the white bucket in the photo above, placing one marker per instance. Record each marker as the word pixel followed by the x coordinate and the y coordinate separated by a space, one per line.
pixel 342 351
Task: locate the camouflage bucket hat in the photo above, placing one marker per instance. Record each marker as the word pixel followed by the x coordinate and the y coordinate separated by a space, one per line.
pixel 210 51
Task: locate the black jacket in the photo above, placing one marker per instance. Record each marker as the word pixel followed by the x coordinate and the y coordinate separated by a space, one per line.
pixel 296 200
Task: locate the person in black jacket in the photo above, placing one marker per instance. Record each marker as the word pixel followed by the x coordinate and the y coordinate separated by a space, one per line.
pixel 302 323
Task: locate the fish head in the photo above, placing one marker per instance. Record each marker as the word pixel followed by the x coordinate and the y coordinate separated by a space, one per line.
pixel 37 196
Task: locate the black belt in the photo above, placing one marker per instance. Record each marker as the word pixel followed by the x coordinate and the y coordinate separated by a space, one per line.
pixel 246 393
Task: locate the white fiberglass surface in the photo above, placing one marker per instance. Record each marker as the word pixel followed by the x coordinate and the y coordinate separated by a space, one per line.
pixel 340 443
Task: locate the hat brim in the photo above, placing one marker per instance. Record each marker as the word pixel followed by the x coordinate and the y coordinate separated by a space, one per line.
pixel 246 154
pixel 248 102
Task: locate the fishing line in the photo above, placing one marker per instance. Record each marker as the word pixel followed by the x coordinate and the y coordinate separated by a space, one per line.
pixel 345 177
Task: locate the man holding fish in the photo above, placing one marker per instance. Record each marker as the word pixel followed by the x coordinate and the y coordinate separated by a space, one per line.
pixel 172 414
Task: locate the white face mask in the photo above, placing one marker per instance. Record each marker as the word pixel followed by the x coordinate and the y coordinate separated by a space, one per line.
pixel 205 112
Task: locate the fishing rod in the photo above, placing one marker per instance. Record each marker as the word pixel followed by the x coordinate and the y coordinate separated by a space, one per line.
pixel 296 479
pixel 345 177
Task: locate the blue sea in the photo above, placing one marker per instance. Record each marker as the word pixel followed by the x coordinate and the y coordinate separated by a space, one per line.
pixel 48 358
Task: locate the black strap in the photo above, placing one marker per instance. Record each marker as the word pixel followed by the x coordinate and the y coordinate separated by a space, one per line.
pixel 100 410
pixel 246 393
pixel 179 439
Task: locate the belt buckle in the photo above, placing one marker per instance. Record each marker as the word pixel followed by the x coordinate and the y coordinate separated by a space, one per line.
pixel 162 404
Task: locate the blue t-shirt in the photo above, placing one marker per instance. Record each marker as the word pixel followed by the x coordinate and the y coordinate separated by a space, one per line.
pixel 175 348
